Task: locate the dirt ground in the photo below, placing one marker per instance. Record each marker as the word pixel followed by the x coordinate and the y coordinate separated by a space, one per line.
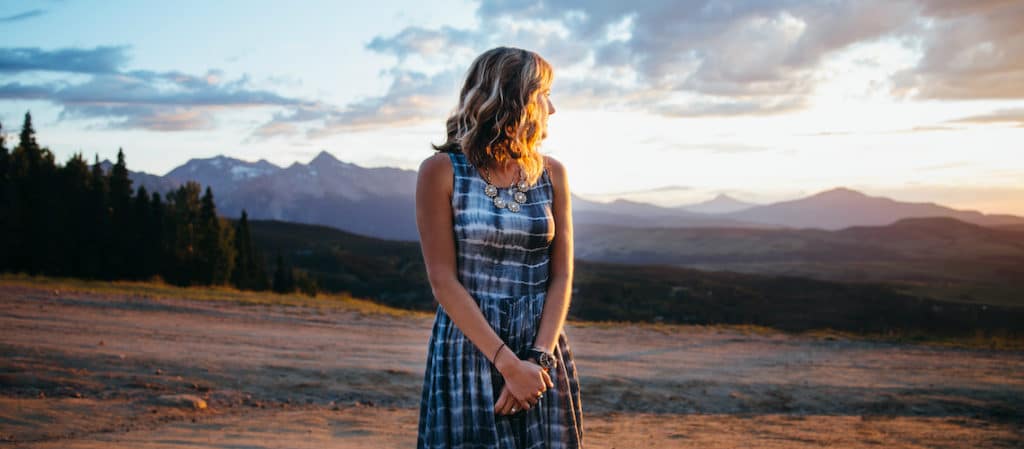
pixel 88 370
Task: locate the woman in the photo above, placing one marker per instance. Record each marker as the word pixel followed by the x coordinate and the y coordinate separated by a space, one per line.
pixel 495 228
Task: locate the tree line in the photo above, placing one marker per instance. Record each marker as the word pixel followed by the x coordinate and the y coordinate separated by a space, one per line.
pixel 79 220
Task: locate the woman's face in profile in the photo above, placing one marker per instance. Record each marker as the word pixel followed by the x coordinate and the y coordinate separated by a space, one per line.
pixel 547 108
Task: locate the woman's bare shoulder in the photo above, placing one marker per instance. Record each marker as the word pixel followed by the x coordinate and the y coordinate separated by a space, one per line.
pixel 436 171
pixel 556 171
pixel 436 161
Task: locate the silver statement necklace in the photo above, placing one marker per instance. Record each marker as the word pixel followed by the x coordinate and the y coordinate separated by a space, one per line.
pixel 518 191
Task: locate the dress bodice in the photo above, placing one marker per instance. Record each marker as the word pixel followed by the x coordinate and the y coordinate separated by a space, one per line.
pixel 500 252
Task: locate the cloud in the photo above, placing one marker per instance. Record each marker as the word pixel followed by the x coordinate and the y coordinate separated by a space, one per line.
pixel 696 58
pixel 138 99
pixel 690 59
pixel 71 60
pixel 23 16
pixel 971 50
pixel 1014 116
pixel 413 97
pixel 704 58
pixel 423 42
pixel 286 123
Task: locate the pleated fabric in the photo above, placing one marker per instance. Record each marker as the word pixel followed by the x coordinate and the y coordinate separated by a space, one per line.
pixel 503 261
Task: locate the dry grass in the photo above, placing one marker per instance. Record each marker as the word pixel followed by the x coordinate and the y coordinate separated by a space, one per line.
pixel 157 289
pixel 980 340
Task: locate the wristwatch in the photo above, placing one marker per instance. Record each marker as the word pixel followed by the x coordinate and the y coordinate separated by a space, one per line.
pixel 545 359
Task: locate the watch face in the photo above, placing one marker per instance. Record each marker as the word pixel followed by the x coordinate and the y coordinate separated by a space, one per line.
pixel 547 360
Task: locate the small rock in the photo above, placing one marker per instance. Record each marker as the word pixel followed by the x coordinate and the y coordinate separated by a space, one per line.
pixel 183 400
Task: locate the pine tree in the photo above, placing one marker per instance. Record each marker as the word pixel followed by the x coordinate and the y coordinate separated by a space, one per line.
pixel 143 255
pixel 216 253
pixel 97 222
pixel 74 216
pixel 123 231
pixel 245 275
pixel 27 137
pixel 35 202
pixel 120 183
pixel 184 266
pixel 5 204
pixel 158 235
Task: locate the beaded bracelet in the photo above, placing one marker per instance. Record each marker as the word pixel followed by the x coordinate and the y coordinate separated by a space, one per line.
pixel 495 358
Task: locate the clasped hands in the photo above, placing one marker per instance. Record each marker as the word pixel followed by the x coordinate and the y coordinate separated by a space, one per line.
pixel 525 383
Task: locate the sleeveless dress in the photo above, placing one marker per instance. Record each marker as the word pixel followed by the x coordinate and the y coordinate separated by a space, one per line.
pixel 503 261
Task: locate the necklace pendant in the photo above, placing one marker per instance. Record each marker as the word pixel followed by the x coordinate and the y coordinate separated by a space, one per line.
pixel 514 207
pixel 491 190
pixel 520 197
pixel 523 186
pixel 499 202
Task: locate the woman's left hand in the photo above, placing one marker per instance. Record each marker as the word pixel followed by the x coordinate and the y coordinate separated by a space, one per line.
pixel 506 403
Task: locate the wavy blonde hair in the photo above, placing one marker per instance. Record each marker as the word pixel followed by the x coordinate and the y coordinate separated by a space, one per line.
pixel 498 117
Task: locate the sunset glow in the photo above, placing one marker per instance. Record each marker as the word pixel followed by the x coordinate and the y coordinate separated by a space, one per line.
pixel 912 100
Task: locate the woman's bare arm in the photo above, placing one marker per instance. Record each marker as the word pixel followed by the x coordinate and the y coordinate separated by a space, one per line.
pixel 559 293
pixel 434 186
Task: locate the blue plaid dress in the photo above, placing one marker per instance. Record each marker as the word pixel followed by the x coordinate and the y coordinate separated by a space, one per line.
pixel 503 262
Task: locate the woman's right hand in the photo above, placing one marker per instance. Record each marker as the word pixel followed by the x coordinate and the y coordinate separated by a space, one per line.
pixel 525 380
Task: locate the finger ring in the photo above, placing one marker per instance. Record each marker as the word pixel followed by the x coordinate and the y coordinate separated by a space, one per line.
pixel 513 409
pixel 540 393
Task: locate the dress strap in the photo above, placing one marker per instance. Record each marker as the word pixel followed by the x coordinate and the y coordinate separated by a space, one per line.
pixel 459 162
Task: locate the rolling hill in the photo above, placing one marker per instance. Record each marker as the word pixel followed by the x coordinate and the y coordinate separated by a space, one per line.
pixel 393 273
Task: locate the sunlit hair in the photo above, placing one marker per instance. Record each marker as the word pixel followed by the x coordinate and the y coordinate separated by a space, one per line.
pixel 498 117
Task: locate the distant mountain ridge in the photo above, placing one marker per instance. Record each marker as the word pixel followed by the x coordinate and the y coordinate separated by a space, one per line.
pixel 841 207
pixel 378 202
pixel 720 204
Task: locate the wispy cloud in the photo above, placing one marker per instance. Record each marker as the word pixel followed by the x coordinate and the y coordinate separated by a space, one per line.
pixel 1013 116
pixel 71 60
pixel 23 16
pixel 139 99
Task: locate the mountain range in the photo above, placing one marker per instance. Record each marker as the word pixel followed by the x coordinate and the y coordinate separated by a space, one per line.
pixel 379 202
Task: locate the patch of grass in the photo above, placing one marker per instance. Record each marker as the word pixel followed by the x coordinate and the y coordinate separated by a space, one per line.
pixel 158 289
pixel 968 293
pixel 994 340
pixel 980 339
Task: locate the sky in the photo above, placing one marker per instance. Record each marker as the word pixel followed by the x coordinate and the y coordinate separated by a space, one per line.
pixel 669 102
